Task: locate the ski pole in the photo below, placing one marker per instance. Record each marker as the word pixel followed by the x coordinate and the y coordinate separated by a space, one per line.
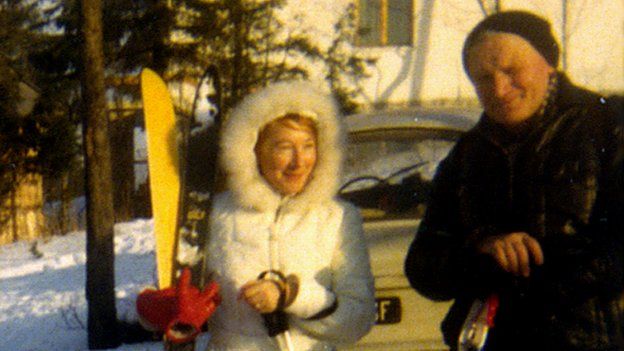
pixel 284 342
pixel 478 323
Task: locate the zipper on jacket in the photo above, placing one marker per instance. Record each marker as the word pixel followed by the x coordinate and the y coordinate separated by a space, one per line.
pixel 273 237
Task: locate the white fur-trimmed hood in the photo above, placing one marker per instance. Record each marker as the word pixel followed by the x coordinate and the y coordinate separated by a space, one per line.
pixel 240 134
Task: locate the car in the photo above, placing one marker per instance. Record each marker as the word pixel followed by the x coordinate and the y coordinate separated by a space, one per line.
pixel 390 161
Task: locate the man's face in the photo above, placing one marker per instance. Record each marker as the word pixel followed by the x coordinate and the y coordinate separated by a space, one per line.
pixel 510 77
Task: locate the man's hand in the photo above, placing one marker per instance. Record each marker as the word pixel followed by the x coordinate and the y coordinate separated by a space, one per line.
pixel 514 252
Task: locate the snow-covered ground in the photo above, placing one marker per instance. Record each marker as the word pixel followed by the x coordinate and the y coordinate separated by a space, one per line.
pixel 42 289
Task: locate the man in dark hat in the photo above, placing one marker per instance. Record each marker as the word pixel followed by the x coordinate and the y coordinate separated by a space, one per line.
pixel 526 214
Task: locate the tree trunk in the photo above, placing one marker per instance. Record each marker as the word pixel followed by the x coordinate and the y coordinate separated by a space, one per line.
pixel 100 288
pixel 122 140
pixel 65 213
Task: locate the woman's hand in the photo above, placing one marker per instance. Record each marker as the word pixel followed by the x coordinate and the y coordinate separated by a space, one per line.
pixel 261 294
pixel 514 252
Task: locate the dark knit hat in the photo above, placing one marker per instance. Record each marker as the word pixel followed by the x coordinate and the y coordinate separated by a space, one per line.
pixel 532 28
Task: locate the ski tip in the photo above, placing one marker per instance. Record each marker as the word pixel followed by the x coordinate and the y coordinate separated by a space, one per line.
pixel 147 70
pixel 147 73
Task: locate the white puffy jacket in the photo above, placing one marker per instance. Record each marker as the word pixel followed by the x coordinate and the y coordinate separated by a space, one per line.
pixel 312 235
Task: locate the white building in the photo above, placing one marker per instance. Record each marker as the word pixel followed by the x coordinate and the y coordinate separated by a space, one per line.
pixel 418 42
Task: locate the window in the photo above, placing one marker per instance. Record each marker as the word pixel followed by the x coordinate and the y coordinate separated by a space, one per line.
pixel 385 22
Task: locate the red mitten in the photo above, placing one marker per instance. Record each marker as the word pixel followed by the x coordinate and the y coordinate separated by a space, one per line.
pixel 193 308
pixel 179 312
pixel 156 308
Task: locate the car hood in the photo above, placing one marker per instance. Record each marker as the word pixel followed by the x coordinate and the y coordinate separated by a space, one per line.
pixel 388 242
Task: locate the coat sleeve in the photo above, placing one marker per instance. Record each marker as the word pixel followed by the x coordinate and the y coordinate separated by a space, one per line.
pixel 430 265
pixel 441 263
pixel 588 260
pixel 352 286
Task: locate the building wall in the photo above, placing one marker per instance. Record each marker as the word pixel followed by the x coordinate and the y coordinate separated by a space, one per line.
pixel 431 69
pixel 22 216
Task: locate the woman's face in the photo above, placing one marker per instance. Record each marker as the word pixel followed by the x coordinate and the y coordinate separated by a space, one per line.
pixel 286 157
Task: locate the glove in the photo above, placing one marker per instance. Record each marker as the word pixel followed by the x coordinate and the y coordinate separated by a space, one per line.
pixel 179 312
pixel 193 308
pixel 156 308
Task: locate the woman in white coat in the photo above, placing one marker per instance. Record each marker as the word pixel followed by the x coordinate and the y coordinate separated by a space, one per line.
pixel 282 247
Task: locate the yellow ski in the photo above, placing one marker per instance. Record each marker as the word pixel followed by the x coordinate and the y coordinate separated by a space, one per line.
pixel 164 171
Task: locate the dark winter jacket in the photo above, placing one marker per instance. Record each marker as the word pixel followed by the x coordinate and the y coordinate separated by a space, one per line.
pixel 562 182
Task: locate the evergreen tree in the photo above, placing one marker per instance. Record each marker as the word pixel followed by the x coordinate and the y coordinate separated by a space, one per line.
pixel 244 39
pixel 31 140
pixel 248 43
pixel 16 21
pixel 344 67
pixel 130 41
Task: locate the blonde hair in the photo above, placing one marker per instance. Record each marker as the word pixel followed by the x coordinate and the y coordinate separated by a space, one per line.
pixel 294 121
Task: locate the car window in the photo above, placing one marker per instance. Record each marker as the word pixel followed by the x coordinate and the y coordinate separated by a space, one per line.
pixel 388 172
